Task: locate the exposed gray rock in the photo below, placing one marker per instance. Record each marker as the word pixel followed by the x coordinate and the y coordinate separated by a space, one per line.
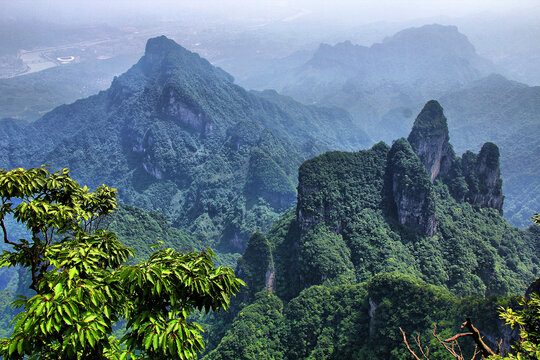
pixel 411 189
pixel 483 176
pixel 430 140
pixel 180 111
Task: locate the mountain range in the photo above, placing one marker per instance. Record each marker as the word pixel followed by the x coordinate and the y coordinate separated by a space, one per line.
pixel 175 134
pixel 384 85
pixel 352 243
pixel 337 277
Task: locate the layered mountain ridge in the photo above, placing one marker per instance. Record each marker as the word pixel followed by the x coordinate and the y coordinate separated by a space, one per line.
pixel 174 134
pixel 384 85
pixel 372 233
pixel 379 208
pixel 410 66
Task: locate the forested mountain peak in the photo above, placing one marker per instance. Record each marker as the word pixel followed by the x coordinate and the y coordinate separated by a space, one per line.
pixel 176 135
pixel 166 55
pixel 370 211
pixel 432 38
pixel 475 178
pixel 430 121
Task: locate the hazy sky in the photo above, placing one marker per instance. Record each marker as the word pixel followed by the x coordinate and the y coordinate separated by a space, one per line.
pixel 350 11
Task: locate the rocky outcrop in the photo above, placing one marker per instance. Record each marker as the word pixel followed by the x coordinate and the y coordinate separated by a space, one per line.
pixel 173 106
pixel 371 314
pixel 256 267
pixel 270 279
pixel 483 175
pixel 430 141
pixel 473 178
pixel 411 189
pixel 534 288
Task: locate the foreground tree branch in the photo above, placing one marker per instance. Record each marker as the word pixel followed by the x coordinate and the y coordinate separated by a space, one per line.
pixel 407 344
pixel 84 288
pixel 477 338
pixel 451 344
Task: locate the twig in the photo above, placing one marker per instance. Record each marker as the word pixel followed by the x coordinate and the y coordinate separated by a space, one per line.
pixel 486 351
pixel 455 337
pixel 6 240
pixel 407 344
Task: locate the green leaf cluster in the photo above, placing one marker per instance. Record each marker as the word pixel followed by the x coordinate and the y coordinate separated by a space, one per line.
pixel 82 287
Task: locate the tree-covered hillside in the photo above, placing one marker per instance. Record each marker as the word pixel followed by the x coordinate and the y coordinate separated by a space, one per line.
pixel 406 235
pixel 384 85
pixel 174 134
pixel 507 113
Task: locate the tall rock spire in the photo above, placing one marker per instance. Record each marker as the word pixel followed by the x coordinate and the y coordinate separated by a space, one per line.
pixel 411 189
pixel 430 141
pixel 483 175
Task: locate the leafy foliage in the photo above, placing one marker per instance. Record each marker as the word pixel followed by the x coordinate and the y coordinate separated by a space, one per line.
pixel 347 320
pixel 82 288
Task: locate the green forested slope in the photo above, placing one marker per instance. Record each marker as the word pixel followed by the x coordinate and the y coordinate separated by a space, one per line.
pixel 344 320
pixel 174 134
pixel 349 267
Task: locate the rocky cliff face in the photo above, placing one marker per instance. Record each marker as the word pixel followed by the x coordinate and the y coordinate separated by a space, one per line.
pixel 256 267
pixel 483 176
pixel 178 110
pixel 474 178
pixel 430 141
pixel 411 188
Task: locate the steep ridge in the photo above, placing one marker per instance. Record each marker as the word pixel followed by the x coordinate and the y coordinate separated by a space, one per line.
pixel 430 140
pixel 359 214
pixel 507 113
pixel 372 232
pixel 474 178
pixel 176 135
pixel 379 84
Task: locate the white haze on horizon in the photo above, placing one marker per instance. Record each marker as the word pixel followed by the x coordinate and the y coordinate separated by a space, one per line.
pixel 343 11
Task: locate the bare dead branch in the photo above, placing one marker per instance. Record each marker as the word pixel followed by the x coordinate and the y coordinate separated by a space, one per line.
pixel 476 352
pixel 6 240
pixel 499 344
pixel 417 340
pixel 485 350
pixel 452 349
pixel 455 337
pixel 407 344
